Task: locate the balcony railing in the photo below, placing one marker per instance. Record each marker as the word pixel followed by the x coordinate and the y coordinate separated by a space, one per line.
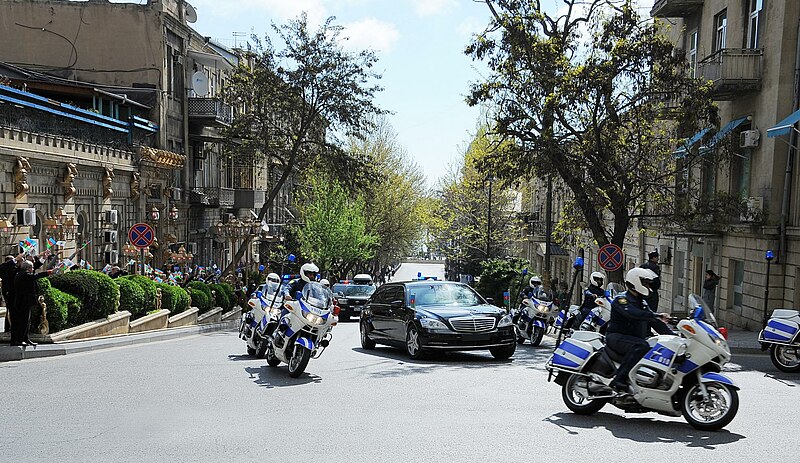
pixel 210 111
pixel 212 197
pixel 675 8
pixel 733 71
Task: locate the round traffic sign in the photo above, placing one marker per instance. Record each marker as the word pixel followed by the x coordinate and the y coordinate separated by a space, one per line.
pixel 141 235
pixel 610 257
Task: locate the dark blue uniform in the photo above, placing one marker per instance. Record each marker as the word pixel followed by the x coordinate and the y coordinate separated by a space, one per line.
pixel 652 299
pixel 294 287
pixel 631 320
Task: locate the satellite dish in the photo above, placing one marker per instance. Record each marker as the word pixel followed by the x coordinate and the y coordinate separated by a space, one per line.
pixel 200 83
pixel 191 13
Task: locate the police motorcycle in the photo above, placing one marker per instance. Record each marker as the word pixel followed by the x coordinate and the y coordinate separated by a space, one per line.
pixel 600 315
pixel 303 330
pixel 782 337
pixel 262 318
pixel 679 375
pixel 532 318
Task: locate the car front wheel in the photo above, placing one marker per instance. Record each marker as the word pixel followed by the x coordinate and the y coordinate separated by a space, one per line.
pixel 503 353
pixel 366 342
pixel 413 343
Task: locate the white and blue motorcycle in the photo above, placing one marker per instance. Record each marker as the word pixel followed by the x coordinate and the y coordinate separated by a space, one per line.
pixel 599 316
pixel 782 337
pixel 531 319
pixel 258 323
pixel 679 375
pixel 303 330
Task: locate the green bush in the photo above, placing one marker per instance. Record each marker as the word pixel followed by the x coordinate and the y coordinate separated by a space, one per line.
pixel 204 287
pixel 98 294
pixel 228 288
pixel 500 275
pixel 149 288
pixel 59 306
pixel 183 300
pixel 221 297
pixel 173 298
pixel 200 300
pixel 131 297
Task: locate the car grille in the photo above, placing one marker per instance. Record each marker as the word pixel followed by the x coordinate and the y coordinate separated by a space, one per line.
pixel 472 324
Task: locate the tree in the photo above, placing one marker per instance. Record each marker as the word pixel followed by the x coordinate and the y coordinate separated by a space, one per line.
pixel 460 215
pixel 294 102
pixel 597 97
pixel 334 232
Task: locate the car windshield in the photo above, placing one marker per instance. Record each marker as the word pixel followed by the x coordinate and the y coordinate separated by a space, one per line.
pixel 444 294
pixel 339 288
pixel 359 290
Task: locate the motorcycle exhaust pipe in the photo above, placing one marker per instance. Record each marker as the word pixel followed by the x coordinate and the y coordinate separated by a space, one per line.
pixel 324 343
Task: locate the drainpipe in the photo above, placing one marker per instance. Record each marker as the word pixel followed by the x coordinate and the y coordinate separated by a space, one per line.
pixel 793 139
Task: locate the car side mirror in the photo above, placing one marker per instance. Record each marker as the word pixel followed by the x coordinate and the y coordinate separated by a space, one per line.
pixel 397 303
pixel 490 300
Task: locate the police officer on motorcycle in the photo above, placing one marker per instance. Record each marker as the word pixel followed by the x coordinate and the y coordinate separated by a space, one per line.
pixel 308 273
pixel 534 288
pixel 631 320
pixel 594 291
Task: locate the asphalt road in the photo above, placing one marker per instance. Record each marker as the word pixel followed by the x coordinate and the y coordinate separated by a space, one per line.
pixel 201 399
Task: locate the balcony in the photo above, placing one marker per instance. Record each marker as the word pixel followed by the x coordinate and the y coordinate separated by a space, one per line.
pixel 211 197
pixel 732 71
pixel 210 112
pixel 675 8
pixel 245 198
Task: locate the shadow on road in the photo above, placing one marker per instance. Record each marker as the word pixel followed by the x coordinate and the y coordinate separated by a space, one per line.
pixel 532 357
pixel 644 429
pixel 762 364
pixel 241 357
pixel 269 377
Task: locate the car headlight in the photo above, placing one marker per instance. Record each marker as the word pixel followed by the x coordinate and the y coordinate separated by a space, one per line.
pixel 313 319
pixel 432 324
pixel 505 321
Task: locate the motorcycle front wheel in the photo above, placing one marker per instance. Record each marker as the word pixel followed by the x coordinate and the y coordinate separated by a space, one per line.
pixel 785 358
pixel 272 359
pixel 299 361
pixel 575 393
pixel 714 412
pixel 537 335
pixel 261 347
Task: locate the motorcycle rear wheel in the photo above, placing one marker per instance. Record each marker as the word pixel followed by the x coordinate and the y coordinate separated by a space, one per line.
pixel 785 358
pixel 714 413
pixel 577 400
pixel 536 336
pixel 299 361
pixel 272 359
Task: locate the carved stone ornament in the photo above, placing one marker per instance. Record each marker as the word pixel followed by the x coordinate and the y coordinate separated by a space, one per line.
pixel 108 176
pixel 21 170
pixel 158 299
pixel 69 181
pixel 44 325
pixel 135 186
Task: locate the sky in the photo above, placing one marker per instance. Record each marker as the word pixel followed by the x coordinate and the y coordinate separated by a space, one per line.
pixel 420 45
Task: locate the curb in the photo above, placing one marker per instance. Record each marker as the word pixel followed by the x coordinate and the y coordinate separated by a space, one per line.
pixel 12 353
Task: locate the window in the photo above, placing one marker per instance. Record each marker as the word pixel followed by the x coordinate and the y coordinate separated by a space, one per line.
pixel 740 169
pixel 754 8
pixel 721 30
pixel 737 267
pixel 693 53
pixel 708 175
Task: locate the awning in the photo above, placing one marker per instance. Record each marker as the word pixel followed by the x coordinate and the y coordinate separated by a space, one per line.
pixel 555 250
pixel 723 132
pixel 785 126
pixel 211 60
pixel 681 152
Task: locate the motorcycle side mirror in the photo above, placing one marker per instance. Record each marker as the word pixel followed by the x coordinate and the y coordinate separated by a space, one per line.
pixel 259 294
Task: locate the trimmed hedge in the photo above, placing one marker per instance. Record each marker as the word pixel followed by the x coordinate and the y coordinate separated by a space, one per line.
pixel 200 300
pixel 131 297
pixel 59 306
pixel 229 291
pixel 173 298
pixel 221 297
pixel 183 300
pixel 148 287
pixel 98 294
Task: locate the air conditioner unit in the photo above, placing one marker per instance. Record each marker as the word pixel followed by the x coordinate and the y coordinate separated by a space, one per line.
pixel 755 204
pixel 191 247
pixel 26 216
pixel 749 138
pixel 112 216
pixel 111 257
pixel 175 194
pixel 110 236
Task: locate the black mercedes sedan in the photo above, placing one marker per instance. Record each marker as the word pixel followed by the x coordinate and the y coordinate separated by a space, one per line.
pixel 427 316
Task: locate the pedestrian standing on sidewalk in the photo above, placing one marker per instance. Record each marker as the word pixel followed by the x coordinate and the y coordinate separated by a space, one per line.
pixel 25 287
pixel 710 288
pixel 8 270
pixel 652 264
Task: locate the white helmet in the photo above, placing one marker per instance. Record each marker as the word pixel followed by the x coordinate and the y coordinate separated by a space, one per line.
pixel 309 272
pixel 273 278
pixel 639 279
pixel 535 280
pixel 324 282
pixel 596 278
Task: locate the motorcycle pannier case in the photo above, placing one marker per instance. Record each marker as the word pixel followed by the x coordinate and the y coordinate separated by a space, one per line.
pixel 572 354
pixel 779 330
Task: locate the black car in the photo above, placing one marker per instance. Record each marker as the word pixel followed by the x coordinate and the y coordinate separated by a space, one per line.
pixel 351 299
pixel 426 316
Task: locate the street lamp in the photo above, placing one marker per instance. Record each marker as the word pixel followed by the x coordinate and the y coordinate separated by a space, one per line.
pixel 155 214
pixel 768 256
pixel 173 213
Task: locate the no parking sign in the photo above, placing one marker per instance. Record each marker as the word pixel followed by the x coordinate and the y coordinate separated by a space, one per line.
pixel 610 257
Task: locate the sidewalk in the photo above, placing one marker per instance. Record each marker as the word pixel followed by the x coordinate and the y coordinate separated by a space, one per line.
pixel 9 353
pixel 744 342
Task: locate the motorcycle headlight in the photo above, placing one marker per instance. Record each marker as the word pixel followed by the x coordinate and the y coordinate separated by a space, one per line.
pixel 432 324
pixel 542 308
pixel 505 321
pixel 313 318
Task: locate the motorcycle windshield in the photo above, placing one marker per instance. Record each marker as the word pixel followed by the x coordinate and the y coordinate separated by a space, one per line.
pixel 613 289
pixel 318 297
pixel 700 310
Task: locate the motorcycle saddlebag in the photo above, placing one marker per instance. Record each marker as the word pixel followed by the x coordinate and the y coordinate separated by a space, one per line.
pixel 571 354
pixel 779 330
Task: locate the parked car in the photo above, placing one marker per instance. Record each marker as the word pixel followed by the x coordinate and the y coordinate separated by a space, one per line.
pixel 426 316
pixel 352 300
